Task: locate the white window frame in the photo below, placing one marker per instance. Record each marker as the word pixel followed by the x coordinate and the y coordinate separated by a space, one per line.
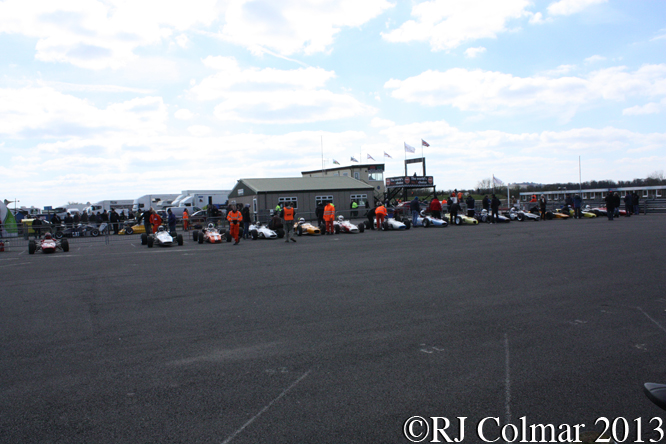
pixel 283 200
pixel 254 205
pixel 657 193
pixel 357 175
pixel 362 197
pixel 323 199
pixel 645 193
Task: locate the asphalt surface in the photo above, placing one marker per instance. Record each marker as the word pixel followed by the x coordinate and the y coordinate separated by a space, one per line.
pixel 335 339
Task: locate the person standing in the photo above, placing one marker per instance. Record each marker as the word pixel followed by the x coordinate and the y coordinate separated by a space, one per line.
pixel 616 204
pixel 155 220
pixel 354 209
pixel 380 214
pixel 37 227
pixel 628 204
pixel 288 215
pixel 69 221
pixel 470 205
pixel 543 204
pixel 171 220
pixel 453 213
pixel 610 205
pixel 247 220
pixel 114 218
pixel 371 214
pixel 435 208
pixel 635 201
pixel 319 212
pixel 76 219
pixel 329 217
pixel 578 206
pixel 235 218
pixel 485 203
pixel 494 206
pixel 186 220
pixel 415 208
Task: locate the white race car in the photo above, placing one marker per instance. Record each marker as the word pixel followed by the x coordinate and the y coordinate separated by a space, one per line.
pixel 519 215
pixel 259 231
pixel 162 238
pixel 426 220
pixel 391 224
pixel 344 226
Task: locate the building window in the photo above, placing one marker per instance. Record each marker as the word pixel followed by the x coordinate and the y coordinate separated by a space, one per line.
pixel 254 205
pixel 345 174
pixel 361 199
pixel 323 199
pixel 376 176
pixel 591 195
pixel 283 200
pixel 645 193
pixel 357 175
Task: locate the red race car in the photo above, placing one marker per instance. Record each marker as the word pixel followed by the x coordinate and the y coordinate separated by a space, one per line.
pixel 48 245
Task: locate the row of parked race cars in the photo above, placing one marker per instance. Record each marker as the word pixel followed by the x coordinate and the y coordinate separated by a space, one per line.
pixel 212 234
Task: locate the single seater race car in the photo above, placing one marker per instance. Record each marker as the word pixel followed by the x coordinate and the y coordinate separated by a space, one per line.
pixel 80 230
pixel 260 231
pixel 426 220
pixel 209 234
pixel 301 227
pixel 344 226
pixel 461 219
pixel 390 224
pixel 162 238
pixel 134 229
pixel 48 245
pixel 520 215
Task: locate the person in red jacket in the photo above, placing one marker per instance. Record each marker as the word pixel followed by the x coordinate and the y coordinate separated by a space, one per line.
pixel 155 220
pixel 235 218
pixel 435 208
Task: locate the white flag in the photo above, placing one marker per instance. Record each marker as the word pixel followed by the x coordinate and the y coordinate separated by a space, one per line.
pixel 353 160
pixel 496 181
pixel 370 157
pixel 409 148
pixel 387 155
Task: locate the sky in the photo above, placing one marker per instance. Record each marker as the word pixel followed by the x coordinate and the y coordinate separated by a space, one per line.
pixel 114 99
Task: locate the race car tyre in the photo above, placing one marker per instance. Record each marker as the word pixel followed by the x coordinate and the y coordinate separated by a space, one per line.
pixel 337 229
pixel 129 230
pixel 254 234
pixel 179 239
pixel 408 225
pixel 280 233
pixel 94 233
pixel 200 238
pixel 458 220
pixel 366 224
pixel 195 235
pixel 228 236
pixel 144 238
pixel 32 247
pixel 150 242
pixel 426 223
pixel 521 217
pixel 361 228
pixel 549 215
pixel 385 226
pixel 58 235
pixel 299 231
pixel 65 245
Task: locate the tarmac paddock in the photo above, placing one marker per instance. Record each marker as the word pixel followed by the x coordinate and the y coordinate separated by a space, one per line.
pixel 336 339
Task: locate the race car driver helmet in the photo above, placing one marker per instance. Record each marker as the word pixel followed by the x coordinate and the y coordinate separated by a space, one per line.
pixel 341 218
pixel 211 226
pixel 422 213
pixel 301 220
pixel 48 236
pixel 161 228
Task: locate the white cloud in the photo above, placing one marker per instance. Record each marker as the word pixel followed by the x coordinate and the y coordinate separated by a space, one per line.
pixel 273 95
pixel 568 7
pixel 94 34
pixel 295 26
pixel 473 52
pixel 649 108
pixel 184 114
pixel 376 122
pixel 199 130
pixel 488 91
pixel 595 59
pixel 448 24
pixel 660 36
pixel 43 112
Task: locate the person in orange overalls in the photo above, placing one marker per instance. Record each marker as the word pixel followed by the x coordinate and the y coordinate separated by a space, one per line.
pixel 186 219
pixel 329 217
pixel 155 220
pixel 235 218
pixel 380 214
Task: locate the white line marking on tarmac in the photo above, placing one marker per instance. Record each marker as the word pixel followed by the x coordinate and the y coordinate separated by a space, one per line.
pixel 655 322
pixel 284 392
pixel 507 381
pixel 12 265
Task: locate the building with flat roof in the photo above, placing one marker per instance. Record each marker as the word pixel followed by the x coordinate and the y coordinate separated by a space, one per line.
pixel 305 193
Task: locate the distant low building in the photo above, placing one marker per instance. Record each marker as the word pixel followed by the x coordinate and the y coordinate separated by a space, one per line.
pixel 372 174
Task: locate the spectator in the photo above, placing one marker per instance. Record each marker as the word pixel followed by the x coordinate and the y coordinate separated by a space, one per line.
pixel 635 201
pixel 578 205
pixel 171 220
pixel 435 208
pixel 494 206
pixel 69 221
pixel 114 218
pixel 319 212
pixel 616 204
pixel 454 211
pixel 84 218
pixel 485 203
pixel 610 203
pixel 628 204
pixel 247 220
pixel 415 208
pixel 371 217
pixel 470 205
pixel 543 204
pixel 37 227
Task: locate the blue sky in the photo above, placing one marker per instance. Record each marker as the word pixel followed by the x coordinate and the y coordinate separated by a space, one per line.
pixel 115 99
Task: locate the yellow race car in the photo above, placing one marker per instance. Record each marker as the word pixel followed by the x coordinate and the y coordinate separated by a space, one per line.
pixel 461 219
pixel 134 229
pixel 301 227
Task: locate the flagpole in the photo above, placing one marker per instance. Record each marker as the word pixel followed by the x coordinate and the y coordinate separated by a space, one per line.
pixel 322 156
pixel 580 179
